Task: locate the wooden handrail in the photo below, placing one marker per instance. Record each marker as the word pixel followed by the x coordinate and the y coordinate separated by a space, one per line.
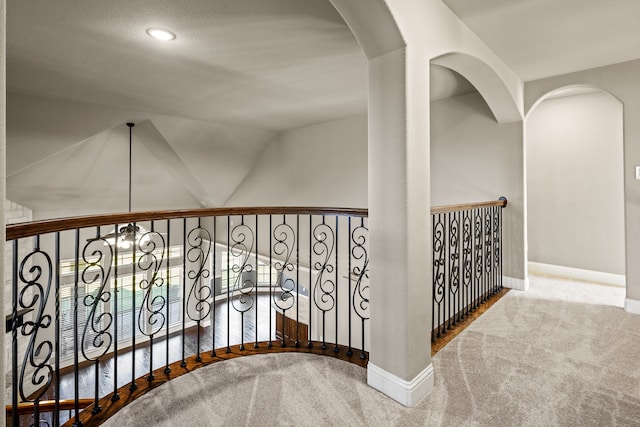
pixel 502 202
pixel 34 228
pixel 27 408
pixel 29 229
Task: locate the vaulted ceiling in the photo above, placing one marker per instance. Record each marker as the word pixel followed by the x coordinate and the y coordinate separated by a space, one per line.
pixel 208 103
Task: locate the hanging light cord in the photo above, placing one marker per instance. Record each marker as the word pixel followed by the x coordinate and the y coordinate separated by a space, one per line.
pixel 131 125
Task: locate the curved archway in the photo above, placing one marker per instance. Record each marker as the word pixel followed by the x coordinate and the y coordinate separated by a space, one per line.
pixel 568 90
pixel 575 188
pixel 372 24
pixel 486 81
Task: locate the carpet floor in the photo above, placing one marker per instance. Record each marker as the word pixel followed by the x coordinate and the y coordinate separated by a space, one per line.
pixel 562 354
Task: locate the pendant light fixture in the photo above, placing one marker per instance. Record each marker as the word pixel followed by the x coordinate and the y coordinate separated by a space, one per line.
pixel 130 234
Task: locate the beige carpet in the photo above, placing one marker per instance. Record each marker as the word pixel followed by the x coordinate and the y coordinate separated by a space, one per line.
pixel 547 357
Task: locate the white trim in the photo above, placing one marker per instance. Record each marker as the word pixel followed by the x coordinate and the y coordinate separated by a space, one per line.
pixel 409 393
pixel 578 274
pixel 517 284
pixel 632 306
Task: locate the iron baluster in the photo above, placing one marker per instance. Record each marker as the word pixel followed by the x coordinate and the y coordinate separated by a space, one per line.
pixel 56 410
pixel 243 238
pixel 297 341
pixel 439 238
pixel 488 253
pixel 213 304
pixel 228 284
pixel 310 343
pixel 184 291
pixel 198 305
pixel 496 249
pixel 95 333
pixel 255 345
pixel 285 239
pixel 76 385
pixel 270 277
pixel 167 369
pixel 454 266
pixel 115 396
pixel 133 385
pixel 479 251
pixel 360 270
pixel 467 263
pixel 336 348
pixel 349 351
pixel 151 318
pixel 323 247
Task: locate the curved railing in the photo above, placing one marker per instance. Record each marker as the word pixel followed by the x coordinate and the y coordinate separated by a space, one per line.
pixel 126 302
pixel 109 307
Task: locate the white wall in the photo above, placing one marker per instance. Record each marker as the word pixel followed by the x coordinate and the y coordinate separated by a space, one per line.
pixel 575 183
pixel 474 159
pixel 620 80
pixel 318 165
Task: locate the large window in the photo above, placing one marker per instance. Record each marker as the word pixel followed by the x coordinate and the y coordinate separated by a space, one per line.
pixel 121 301
pixel 264 276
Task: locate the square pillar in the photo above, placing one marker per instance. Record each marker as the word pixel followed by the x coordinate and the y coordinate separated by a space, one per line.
pixel 400 226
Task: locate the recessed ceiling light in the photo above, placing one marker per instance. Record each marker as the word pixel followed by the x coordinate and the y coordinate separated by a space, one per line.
pixel 160 34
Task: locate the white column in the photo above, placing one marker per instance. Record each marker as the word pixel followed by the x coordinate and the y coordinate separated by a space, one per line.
pixel 400 226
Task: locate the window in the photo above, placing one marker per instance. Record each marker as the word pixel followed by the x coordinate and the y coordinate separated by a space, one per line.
pixel 121 291
pixel 265 275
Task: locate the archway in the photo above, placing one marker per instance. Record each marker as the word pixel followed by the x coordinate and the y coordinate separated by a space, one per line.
pixel 575 187
pixel 476 148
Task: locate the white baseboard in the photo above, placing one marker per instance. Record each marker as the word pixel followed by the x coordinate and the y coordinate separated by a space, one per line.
pixel 632 306
pixel 578 274
pixel 517 284
pixel 409 393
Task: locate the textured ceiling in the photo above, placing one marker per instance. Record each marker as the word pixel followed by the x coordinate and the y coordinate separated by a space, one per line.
pixel 206 104
pixel 240 71
pixel 542 38
pixel 272 64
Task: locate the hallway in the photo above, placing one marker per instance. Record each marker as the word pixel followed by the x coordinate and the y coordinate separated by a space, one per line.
pixel 563 353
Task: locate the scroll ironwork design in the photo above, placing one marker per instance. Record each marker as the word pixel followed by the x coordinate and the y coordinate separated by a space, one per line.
pixel 478 255
pixel 324 287
pixel 243 240
pixel 439 259
pixel 439 273
pixel 97 256
pixel 283 246
pixel 34 296
pixel 360 271
pixel 454 262
pixel 467 257
pixel 488 253
pixel 199 301
pixel 497 246
pixel 152 249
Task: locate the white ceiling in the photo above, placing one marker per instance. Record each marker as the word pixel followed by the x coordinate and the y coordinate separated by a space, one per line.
pixel 542 38
pixel 273 64
pixel 239 72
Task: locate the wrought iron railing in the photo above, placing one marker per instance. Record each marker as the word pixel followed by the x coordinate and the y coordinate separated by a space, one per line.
pixel 109 307
pixel 467 260
pixel 126 302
